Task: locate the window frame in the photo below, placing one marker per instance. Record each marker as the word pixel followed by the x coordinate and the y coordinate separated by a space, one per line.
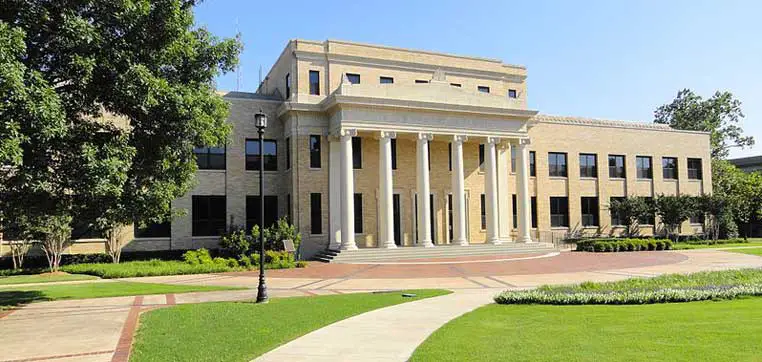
pixel 553 169
pixel 483 89
pixel 252 209
pixel 483 211
pixel 357 153
pixel 532 164
pixel 586 170
pixel 613 174
pixel 618 218
pixel 288 85
pixel 153 230
pixel 393 146
pixel 385 80
pixel 586 202
pixel 513 94
pixel 314 83
pixel 351 76
pixel 316 152
pixel 559 203
pixel 253 165
pixel 695 173
pixel 316 222
pixel 666 172
pixel 358 214
pixel 639 170
pixel 206 156
pixel 214 225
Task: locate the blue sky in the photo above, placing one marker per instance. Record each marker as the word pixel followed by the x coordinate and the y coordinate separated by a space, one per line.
pixel 604 59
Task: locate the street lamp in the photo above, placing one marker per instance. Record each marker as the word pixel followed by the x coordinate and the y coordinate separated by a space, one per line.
pixel 260 121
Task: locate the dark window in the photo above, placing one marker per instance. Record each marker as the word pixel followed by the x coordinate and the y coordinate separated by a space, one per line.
pixel 644 168
pixel 386 80
pixel 669 168
pixel 481 156
pixel 483 89
pixel 288 208
pixel 616 219
pixel 557 164
pixel 271 155
pixel 697 219
pixel 449 156
pixel 358 214
pixel 353 78
pixel 208 215
pixel 316 214
pixel 616 166
pixel 532 168
pixel 394 153
pixel 288 85
pixel 421 81
pixel 483 211
pixel 456 85
pixel 315 151
pixel 559 212
pixel 648 219
pixel 589 211
pixel 428 154
pixel 288 153
pixel 515 207
pixel 513 159
pixel 534 212
pixel 533 201
pixel 210 158
pixel 153 230
pixel 588 165
pixel 512 93
pixel 314 82
pixel 356 153
pixel 694 169
pixel 252 211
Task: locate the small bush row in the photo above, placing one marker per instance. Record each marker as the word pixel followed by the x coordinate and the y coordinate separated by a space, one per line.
pixel 714 242
pixel 615 245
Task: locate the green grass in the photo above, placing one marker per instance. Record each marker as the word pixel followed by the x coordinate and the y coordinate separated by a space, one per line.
pixel 133 269
pixel 14 296
pixel 686 246
pixel 750 251
pixel 42 278
pixel 699 331
pixel 242 331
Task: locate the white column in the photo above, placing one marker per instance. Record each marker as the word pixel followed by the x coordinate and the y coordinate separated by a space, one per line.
pixel 424 190
pixel 347 191
pixel 385 182
pixel 334 191
pixel 505 221
pixel 523 199
pixel 458 192
pixel 490 189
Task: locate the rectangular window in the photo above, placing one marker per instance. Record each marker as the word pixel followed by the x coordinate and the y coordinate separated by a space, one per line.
pixel 356 153
pixel 557 164
pixel 516 211
pixel 589 211
pixel 515 208
pixel 210 158
pixel 483 212
pixel 288 153
pixel 513 159
pixel 252 211
pixel 483 89
pixel 588 165
pixel 394 153
pixel 644 168
pixel 512 93
pixel 386 80
pixel 288 85
pixel 456 85
pixel 314 82
pixel 449 156
pixel 669 168
pixel 559 212
pixel 270 149
pixel 353 78
pixel 481 157
pixel 534 212
pixel 208 215
pixel 649 219
pixel 616 166
pixel 153 230
pixel 358 214
pixel 421 81
pixel 616 219
pixel 316 214
pixel 532 168
pixel 315 155
pixel 694 169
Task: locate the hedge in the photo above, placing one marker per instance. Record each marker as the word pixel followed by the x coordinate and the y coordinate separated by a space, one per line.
pixel 615 245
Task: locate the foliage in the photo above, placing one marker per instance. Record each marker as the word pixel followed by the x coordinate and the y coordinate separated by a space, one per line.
pixel 102 104
pixel 236 242
pixel 243 331
pixel 56 237
pixel 630 210
pixel 673 210
pixel 116 238
pixel 283 230
pixel 720 115
pixel 742 192
pixel 614 245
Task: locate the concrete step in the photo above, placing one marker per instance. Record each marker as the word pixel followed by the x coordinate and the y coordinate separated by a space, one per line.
pixel 439 251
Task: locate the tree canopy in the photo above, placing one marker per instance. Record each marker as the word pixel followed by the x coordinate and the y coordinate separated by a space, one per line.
pixel 720 115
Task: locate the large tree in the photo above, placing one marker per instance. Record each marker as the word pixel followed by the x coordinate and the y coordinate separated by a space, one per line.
pixel 720 115
pixel 103 102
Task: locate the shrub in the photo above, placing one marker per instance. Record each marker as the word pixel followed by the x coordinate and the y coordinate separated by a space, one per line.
pixel 651 245
pixel 198 257
pixel 659 245
pixel 301 264
pixel 614 245
pixel 235 242
pixel 599 247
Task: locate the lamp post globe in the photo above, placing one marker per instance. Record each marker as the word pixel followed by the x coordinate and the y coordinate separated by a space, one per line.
pixel 260 121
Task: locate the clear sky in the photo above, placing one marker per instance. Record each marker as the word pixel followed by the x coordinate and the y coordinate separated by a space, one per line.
pixel 604 59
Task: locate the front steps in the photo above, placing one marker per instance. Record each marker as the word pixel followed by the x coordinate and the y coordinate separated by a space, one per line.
pixel 376 255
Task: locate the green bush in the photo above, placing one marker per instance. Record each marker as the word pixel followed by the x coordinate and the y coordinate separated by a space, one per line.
pixel 621 245
pixel 235 242
pixel 198 257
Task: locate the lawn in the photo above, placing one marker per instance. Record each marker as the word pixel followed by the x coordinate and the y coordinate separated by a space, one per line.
pixel 14 296
pixel 698 331
pixel 42 278
pixel 686 246
pixel 750 251
pixel 241 331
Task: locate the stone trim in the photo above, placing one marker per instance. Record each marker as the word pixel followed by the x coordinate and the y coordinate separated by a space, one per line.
pixel 546 118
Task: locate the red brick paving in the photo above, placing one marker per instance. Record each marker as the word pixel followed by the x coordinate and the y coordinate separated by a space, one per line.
pixel 563 263
pixel 124 346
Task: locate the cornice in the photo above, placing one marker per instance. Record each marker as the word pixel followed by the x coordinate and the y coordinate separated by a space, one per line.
pixel 580 121
pixel 338 99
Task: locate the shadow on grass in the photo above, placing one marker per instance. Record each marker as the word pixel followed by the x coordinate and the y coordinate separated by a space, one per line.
pixel 15 298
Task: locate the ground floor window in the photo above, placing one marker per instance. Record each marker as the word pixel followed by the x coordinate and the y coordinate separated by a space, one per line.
pixel 649 219
pixel 589 206
pixel 484 212
pixel 516 212
pixel 616 219
pixel 316 214
pixel 559 212
pixel 358 214
pixel 208 214
pixel 154 230
pixel 252 211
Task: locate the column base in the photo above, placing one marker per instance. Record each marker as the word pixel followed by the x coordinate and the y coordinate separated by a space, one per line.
pixel 348 247
pixel 426 244
pixel 494 241
pixel 463 242
pixel 525 240
pixel 387 245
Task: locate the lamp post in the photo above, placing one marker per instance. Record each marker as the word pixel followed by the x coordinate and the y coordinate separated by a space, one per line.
pixel 260 121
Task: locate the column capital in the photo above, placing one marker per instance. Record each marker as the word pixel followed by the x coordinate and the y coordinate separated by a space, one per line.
pixel 350 132
pixel 459 138
pixel 494 140
pixel 524 141
pixel 387 134
pixel 422 136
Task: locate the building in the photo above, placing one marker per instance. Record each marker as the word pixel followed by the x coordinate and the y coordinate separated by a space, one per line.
pixel 748 164
pixel 372 146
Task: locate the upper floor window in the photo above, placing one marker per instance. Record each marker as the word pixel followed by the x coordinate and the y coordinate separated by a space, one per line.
pixel 394 153
pixel 456 85
pixel 557 164
pixel 481 157
pixel 588 165
pixel 270 150
pixel 532 168
pixel 356 153
pixel 483 89
pixel 315 156
pixel 616 166
pixel 644 167
pixel 383 80
pixel 314 82
pixel 353 78
pixel 288 85
pixel 669 168
pixel 694 169
pixel 421 81
pixel 210 158
pixel 512 93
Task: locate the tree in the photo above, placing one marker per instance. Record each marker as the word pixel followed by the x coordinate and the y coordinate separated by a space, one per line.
pixel 719 115
pixel 673 210
pixel 56 237
pixel 713 207
pixel 630 210
pixel 102 103
pixel 748 207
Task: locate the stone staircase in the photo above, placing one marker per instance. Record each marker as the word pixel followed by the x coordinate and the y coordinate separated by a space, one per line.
pixel 372 255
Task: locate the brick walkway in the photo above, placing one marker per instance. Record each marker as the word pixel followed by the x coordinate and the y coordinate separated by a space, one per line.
pixel 102 329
